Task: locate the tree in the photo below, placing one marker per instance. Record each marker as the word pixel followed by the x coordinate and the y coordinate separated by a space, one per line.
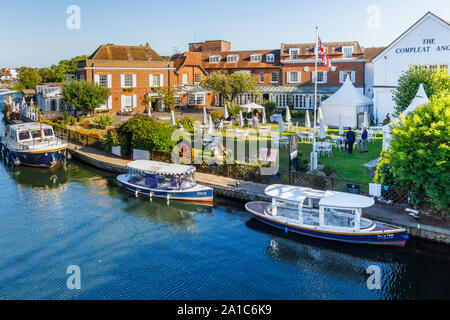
pixel 84 95
pixel 434 81
pixel 230 86
pixel 167 94
pixel 418 159
pixel 29 77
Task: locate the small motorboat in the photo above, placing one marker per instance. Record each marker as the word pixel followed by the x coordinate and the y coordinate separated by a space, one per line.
pixel 32 144
pixel 164 180
pixel 328 215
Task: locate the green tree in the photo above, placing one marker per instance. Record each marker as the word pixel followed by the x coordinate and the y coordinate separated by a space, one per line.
pixel 167 94
pixel 29 77
pixel 418 159
pixel 434 81
pixel 84 95
pixel 230 86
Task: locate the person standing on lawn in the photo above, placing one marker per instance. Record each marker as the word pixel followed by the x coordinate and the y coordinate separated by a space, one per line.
pixel 350 137
pixel 364 140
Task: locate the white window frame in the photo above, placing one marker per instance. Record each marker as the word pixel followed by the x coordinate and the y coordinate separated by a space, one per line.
pixel 185 78
pixel 159 83
pixel 199 78
pixel 271 77
pixel 214 59
pixel 324 76
pixel 261 77
pixel 293 55
pixel 344 48
pixel 196 99
pixel 289 77
pixel 256 57
pixel 342 76
pixel 232 58
pixel 280 100
pixel 270 57
pixel 125 103
pixel 123 81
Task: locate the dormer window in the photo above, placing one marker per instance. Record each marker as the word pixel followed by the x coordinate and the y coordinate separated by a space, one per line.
pixel 347 51
pixel 256 57
pixel 214 59
pixel 270 57
pixel 232 58
pixel 294 53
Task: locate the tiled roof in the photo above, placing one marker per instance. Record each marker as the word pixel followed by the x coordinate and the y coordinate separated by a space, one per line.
pixel 243 61
pixel 129 53
pixel 370 53
pixel 187 59
pixel 333 49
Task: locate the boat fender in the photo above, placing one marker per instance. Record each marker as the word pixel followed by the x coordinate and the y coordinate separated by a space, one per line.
pixel 17 162
pixel 136 192
pixel 151 195
pixel 68 155
pixel 286 229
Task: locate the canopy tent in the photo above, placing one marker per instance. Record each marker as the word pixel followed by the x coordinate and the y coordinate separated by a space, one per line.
pixel 420 99
pixel 347 102
pixel 341 128
pixel 252 106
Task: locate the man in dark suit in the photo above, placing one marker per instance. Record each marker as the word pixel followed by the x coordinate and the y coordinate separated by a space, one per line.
pixel 350 137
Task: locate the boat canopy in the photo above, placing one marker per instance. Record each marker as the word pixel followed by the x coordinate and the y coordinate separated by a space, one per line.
pixel 28 126
pixel 326 198
pixel 160 168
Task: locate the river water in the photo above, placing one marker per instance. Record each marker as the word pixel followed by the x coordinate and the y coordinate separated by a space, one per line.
pixel 131 248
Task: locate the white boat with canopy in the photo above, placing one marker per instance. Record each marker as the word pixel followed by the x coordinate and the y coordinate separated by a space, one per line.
pixel 327 214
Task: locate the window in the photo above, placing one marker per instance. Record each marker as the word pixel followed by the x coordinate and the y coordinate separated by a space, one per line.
pixel 281 100
pixel 321 77
pixel 232 58
pixel 293 77
pixel 127 101
pixel 344 74
pixel 48 132
pixel 261 77
pixel 177 101
pixel 36 134
pixel 214 59
pixel 185 78
pixel 128 80
pixel 255 58
pixel 103 80
pixel 347 52
pixel 274 77
pixel 270 57
pixel 196 99
pixel 24 135
pixel 156 80
pixel 197 78
pixel 294 53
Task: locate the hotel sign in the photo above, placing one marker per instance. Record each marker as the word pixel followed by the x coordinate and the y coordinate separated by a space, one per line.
pixel 427 45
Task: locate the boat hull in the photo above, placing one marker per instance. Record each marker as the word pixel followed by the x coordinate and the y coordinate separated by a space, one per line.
pixel 201 194
pixel 381 234
pixel 40 159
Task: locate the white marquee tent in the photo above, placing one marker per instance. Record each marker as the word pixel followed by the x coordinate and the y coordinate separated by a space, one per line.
pixel 420 99
pixel 347 102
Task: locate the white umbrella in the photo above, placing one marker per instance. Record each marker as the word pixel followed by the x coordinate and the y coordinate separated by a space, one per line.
pixel 241 119
pixel 288 114
pixel 366 120
pixel 322 129
pixel 280 126
pixel 172 118
pixel 341 128
pixel 264 119
pixel 149 111
pixel 205 118
pixel 210 125
pixel 225 113
pixel 307 121
pixel 320 113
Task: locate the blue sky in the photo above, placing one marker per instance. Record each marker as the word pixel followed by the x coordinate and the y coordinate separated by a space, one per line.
pixel 34 33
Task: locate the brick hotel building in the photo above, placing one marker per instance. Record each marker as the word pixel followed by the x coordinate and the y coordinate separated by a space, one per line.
pixel 285 75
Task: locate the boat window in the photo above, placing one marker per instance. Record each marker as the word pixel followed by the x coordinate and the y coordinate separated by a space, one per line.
pixel 36 134
pixel 137 178
pixel 24 135
pixel 48 132
pixel 338 217
pixel 187 181
pixel 167 182
pixel 312 203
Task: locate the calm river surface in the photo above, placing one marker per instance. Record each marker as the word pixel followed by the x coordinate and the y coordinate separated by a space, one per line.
pixel 131 248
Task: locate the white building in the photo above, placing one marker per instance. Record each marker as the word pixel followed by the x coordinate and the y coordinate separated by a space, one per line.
pixel 425 44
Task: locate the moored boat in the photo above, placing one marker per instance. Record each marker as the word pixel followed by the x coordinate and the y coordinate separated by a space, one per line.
pixel 328 215
pixel 32 144
pixel 164 180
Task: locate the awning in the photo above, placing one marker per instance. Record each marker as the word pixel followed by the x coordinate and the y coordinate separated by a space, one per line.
pixel 160 168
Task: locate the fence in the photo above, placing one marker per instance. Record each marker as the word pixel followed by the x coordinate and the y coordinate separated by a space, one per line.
pixel 79 138
pixel 389 195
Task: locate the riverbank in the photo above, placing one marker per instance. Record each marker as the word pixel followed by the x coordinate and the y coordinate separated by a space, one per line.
pixel 250 191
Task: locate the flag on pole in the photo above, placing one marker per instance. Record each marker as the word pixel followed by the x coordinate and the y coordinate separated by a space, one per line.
pixel 322 54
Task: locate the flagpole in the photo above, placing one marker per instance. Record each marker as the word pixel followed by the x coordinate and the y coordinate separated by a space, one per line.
pixel 313 158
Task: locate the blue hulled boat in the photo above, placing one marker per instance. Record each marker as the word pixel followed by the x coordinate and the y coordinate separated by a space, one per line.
pixel 32 144
pixel 164 180
pixel 328 215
